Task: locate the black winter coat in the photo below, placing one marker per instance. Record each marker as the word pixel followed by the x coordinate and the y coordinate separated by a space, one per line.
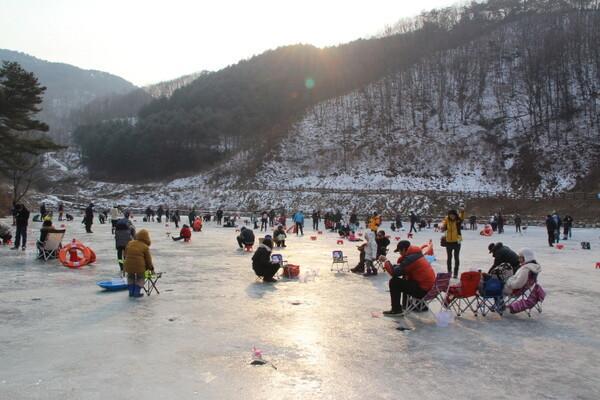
pixel 261 260
pixel 22 217
pixel 247 236
pixel 504 254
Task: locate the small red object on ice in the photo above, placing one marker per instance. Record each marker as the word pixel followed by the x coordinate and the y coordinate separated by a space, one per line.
pixel 313 238
pixel 340 242
pixel 397 238
pixel 598 265
pixel 320 232
pixel 560 246
pixel 410 235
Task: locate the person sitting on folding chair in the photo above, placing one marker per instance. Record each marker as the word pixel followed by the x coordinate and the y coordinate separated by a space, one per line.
pixel 5 234
pixel 382 243
pixel 261 261
pixel 411 276
pixel 528 264
pixel 137 261
pixel 46 227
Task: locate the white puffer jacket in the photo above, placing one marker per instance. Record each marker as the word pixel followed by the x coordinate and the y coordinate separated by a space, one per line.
pixel 371 247
pixel 519 279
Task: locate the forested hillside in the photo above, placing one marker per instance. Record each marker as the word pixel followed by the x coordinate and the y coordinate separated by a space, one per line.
pixel 487 95
pixel 68 88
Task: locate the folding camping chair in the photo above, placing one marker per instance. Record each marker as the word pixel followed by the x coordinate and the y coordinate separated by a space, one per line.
pixel 490 297
pixel 523 293
pixel 151 278
pixel 458 296
pixel 338 258
pixel 440 286
pixel 49 249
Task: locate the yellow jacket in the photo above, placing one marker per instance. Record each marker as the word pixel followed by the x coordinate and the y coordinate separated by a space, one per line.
pixel 452 228
pixel 374 223
pixel 137 254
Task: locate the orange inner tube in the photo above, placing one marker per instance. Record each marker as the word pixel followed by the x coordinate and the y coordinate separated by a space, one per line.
pixel 69 255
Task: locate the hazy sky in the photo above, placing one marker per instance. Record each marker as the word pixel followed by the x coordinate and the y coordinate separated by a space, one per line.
pixel 147 41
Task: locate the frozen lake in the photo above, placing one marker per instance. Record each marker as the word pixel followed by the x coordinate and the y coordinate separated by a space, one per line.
pixel 61 337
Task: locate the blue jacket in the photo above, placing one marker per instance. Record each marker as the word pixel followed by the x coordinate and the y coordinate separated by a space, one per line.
pixel 299 217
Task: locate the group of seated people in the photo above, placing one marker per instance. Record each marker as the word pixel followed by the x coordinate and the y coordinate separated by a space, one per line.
pixel 413 275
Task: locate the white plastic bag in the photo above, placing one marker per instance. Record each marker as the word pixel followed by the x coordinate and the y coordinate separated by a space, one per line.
pixel 443 318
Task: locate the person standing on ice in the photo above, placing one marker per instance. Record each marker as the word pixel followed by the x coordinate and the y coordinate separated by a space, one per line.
pixel 159 214
pixel 61 211
pixel 138 260
pixel 272 218
pixel 264 220
pixel 353 220
pixel 370 253
pixel 261 261
pixel 567 225
pixel 124 233
pixel 114 217
pixel 220 216
pixel 398 220
pixel 43 211
pixel 557 225
pixel 316 215
pixel 298 218
pixel 451 226
pixel 413 221
pixel 88 218
pixel 550 228
pixel 21 220
pixel 175 218
pixel 500 223
pixel 518 222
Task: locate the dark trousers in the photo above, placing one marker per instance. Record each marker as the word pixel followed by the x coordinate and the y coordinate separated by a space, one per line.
pixel 267 271
pixel 408 288
pixel 241 242
pixel 551 238
pixel 518 228
pixel 21 236
pixel 88 227
pixel 412 227
pixel 453 248
pixel 263 224
pixel 120 259
pixel 315 224
pixel 299 228
pixel 473 226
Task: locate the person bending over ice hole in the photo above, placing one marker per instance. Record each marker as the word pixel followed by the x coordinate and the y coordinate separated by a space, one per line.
pixel 279 236
pixel 138 260
pixel 261 261
pixel 185 233
pixel 412 276
pixel 245 238
pixel 503 255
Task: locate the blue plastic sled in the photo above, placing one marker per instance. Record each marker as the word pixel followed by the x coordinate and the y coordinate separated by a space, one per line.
pixel 113 284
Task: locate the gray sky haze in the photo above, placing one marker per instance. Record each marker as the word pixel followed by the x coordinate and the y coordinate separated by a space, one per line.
pixel 147 41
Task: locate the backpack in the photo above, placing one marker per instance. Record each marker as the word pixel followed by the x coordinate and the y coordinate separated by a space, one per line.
pixel 502 272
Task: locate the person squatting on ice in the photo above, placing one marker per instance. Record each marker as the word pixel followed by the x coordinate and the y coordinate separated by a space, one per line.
pixel 261 261
pixel 138 260
pixel 451 226
pixel 279 236
pixel 245 238
pixel 412 276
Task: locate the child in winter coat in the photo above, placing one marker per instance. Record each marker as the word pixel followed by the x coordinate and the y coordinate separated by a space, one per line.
pixel 370 253
pixel 137 261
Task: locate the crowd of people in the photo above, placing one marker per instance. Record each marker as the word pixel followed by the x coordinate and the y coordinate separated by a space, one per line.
pixel 411 275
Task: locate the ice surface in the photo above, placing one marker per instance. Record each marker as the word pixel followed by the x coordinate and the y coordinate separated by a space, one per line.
pixel 61 337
